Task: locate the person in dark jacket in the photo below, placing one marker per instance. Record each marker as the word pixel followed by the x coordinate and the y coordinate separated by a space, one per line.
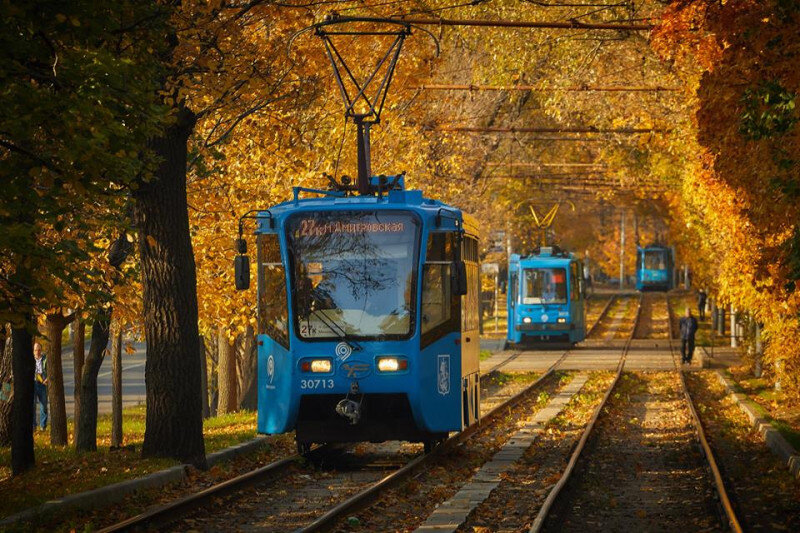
pixel 688 326
pixel 701 303
pixel 40 385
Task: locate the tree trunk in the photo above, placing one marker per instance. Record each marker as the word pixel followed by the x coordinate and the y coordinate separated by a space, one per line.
pixel 212 352
pixel 227 375
pixel 116 388
pixel 204 378
pixel 248 386
pixel 54 328
pixel 86 424
pixel 78 346
pixel 6 384
pixel 174 422
pixel 22 457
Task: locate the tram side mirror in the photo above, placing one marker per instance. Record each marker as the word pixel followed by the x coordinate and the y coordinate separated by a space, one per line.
pixel 458 278
pixel 241 267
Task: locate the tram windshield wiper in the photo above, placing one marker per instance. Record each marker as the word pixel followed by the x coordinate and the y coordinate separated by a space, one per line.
pixel 331 323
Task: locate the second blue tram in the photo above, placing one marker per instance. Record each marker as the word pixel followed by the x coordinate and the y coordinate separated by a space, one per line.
pixel 367 317
pixel 545 297
pixel 654 268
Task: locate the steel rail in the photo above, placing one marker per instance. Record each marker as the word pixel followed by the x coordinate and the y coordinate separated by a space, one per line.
pixel 722 493
pixel 171 511
pixel 541 516
pixel 602 315
pixel 362 499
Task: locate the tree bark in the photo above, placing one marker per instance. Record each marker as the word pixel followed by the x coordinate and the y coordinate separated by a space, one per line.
pixel 116 388
pixel 204 378
pixel 227 375
pixel 86 424
pixel 54 327
pixel 174 421
pixel 6 393
pixel 78 346
pixel 248 387
pixel 22 457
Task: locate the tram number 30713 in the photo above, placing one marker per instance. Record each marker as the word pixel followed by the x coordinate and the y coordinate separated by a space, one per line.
pixel 316 383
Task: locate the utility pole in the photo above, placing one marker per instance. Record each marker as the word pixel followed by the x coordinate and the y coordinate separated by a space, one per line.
pixel 622 251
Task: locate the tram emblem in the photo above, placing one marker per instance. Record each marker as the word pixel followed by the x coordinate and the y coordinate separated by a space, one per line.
pixel 355 370
pixel 343 351
pixel 443 374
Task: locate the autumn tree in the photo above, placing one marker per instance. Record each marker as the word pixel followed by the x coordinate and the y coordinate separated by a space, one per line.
pixel 78 104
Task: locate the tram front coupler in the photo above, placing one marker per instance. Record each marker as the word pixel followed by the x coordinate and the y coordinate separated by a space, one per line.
pixel 350 409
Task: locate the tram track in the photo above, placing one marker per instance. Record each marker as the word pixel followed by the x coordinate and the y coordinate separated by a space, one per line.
pixel 637 510
pixel 283 469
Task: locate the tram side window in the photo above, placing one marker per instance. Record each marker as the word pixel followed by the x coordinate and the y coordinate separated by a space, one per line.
pixel 469 253
pixel 440 308
pixel 273 307
pixel 513 288
pixel 574 282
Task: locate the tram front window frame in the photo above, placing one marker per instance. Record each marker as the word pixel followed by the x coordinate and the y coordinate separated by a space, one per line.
pixel 535 286
pixel 330 289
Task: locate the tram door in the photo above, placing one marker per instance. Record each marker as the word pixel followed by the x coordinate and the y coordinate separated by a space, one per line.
pixel 470 332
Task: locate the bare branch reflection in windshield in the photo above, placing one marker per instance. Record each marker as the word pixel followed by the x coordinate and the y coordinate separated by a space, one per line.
pixel 353 273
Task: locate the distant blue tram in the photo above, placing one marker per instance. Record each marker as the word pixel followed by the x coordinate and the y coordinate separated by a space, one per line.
pixel 545 297
pixel 654 268
pixel 367 317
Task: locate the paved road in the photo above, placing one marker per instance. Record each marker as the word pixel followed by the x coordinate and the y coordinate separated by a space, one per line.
pixel 133 391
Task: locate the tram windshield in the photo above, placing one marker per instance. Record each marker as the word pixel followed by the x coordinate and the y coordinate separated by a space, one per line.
pixel 353 273
pixel 655 260
pixel 544 286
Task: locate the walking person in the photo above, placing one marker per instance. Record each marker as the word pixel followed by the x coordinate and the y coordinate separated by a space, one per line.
pixel 688 326
pixel 40 386
pixel 701 303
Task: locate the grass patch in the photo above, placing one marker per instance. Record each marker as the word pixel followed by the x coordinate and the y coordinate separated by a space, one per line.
pixel 63 471
pixel 485 354
pixel 772 405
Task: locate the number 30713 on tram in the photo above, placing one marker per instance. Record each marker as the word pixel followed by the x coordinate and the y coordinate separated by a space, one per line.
pixel 367 316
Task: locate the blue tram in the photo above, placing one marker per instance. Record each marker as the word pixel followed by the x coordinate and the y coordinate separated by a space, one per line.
pixel 654 268
pixel 367 317
pixel 545 297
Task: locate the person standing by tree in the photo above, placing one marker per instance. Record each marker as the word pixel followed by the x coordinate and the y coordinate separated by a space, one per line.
pixel 40 386
pixel 701 303
pixel 688 326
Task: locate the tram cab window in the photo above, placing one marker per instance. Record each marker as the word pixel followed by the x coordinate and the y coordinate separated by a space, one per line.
pixel 655 260
pixel 273 309
pixel 440 308
pixel 353 273
pixel 544 286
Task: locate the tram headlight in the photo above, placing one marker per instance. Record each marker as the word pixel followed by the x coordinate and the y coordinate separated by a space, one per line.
pixel 392 364
pixel 317 366
pixel 562 320
pixel 526 320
